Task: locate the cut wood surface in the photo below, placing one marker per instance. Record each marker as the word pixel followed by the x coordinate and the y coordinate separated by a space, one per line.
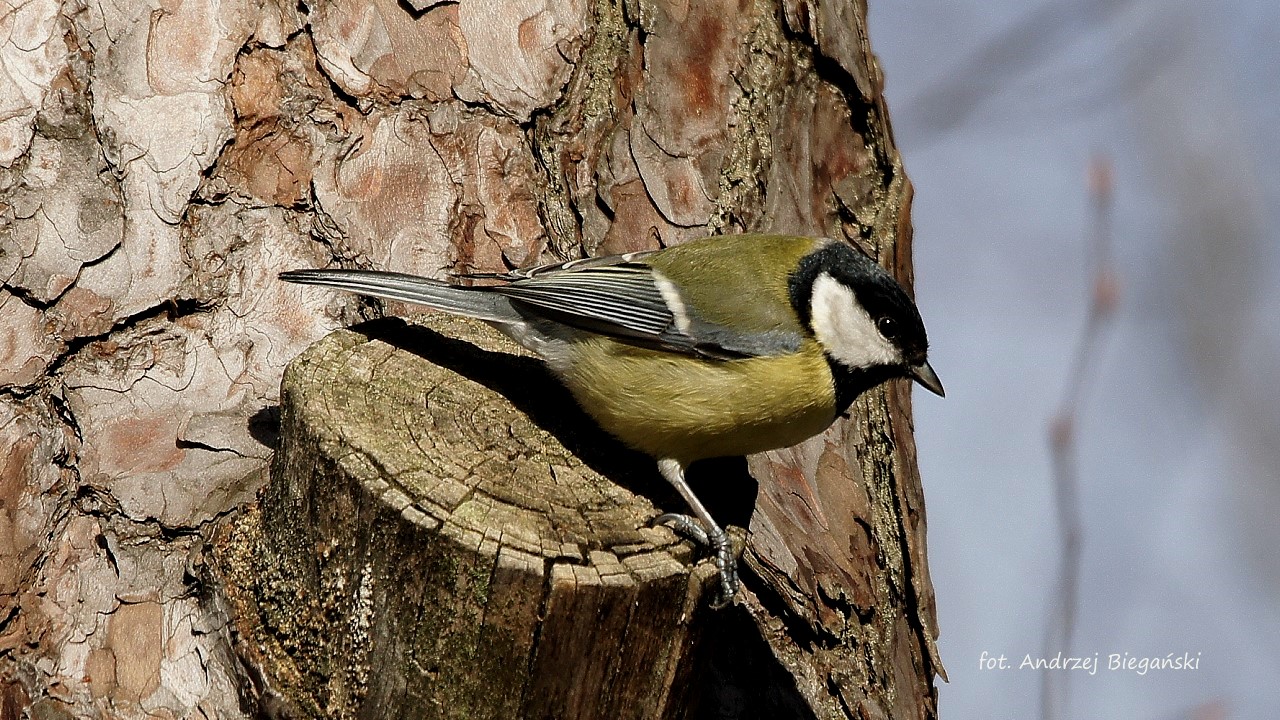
pixel 425 548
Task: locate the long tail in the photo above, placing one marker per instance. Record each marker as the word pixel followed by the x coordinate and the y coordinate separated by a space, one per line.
pixel 471 302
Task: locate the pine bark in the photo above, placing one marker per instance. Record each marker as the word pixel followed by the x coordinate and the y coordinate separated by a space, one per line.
pixel 160 164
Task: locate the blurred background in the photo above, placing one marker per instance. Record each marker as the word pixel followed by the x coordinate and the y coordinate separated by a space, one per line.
pixel 1001 107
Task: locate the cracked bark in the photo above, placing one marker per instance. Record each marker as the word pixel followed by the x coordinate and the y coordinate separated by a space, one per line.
pixel 157 169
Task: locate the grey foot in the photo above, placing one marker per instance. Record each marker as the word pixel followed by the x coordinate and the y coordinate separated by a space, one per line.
pixel 721 551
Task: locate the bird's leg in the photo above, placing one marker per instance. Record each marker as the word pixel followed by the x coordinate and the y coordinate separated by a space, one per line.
pixel 703 530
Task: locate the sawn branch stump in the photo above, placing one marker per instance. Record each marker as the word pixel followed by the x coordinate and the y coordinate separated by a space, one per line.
pixel 437 540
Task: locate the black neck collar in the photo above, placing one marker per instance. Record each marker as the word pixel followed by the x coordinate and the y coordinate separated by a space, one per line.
pixel 852 382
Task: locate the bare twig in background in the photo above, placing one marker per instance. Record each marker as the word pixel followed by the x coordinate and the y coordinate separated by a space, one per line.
pixel 1106 292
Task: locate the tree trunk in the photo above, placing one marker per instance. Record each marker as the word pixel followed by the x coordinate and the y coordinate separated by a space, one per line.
pixel 158 167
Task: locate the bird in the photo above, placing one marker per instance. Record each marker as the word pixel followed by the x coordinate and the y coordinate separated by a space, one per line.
pixel 726 345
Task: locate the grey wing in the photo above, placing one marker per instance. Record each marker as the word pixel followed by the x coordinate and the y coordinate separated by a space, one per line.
pixel 632 301
pixel 615 296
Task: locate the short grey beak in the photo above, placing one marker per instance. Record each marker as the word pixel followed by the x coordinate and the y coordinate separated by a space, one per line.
pixel 925 375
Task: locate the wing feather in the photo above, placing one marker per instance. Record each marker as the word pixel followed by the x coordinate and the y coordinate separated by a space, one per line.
pixel 625 296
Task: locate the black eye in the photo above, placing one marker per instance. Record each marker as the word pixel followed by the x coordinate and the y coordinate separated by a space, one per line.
pixel 888 327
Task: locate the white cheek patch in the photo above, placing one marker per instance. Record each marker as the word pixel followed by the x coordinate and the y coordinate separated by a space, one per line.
pixel 845 330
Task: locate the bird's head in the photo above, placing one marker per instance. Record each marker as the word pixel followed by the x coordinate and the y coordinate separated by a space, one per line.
pixel 863 319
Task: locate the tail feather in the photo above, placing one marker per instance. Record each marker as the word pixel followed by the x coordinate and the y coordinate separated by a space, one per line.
pixel 471 302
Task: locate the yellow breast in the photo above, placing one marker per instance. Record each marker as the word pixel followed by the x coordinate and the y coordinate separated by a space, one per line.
pixel 688 409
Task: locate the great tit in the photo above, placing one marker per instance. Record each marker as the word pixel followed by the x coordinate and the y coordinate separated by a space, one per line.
pixel 722 346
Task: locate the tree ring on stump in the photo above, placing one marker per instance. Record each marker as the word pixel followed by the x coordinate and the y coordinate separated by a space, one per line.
pixel 437 529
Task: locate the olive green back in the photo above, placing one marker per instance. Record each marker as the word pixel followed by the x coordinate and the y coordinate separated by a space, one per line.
pixel 761 266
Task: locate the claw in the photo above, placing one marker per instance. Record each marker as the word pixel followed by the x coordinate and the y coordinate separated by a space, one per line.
pixel 686 527
pixel 721 552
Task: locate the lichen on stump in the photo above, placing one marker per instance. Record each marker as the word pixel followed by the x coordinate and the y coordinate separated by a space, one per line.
pixel 442 536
